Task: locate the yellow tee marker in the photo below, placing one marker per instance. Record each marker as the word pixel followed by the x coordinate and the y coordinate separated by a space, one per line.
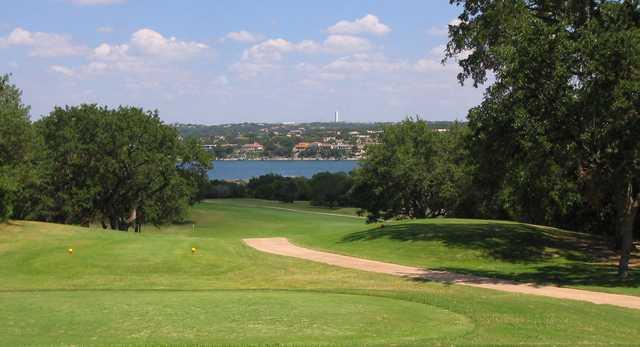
pixel 193 249
pixel 70 250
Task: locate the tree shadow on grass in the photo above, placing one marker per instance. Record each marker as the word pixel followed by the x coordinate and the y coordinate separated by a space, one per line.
pixel 574 274
pixel 516 243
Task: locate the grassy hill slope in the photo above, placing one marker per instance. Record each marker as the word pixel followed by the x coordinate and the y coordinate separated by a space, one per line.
pixel 149 288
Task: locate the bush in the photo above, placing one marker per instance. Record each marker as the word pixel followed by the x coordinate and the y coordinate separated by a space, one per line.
pixel 330 189
pixel 217 189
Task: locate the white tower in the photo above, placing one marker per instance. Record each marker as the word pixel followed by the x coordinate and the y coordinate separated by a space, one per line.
pixel 337 117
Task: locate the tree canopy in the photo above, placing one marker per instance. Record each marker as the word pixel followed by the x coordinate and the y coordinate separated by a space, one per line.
pixel 415 171
pixel 560 118
pixel 16 146
pixel 119 167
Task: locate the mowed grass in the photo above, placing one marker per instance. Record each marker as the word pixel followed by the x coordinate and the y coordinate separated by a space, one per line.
pixel 223 317
pixel 501 249
pixel 149 288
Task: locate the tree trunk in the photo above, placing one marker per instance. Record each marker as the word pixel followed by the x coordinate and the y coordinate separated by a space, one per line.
pixel 627 204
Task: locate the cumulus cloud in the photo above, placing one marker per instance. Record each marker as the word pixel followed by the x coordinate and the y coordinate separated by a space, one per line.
pixel 147 52
pixel 368 24
pixel 433 61
pixel 153 43
pixel 96 2
pixel 346 44
pixel 243 36
pixel 42 44
pixel 275 49
pixel 106 51
pixel 363 62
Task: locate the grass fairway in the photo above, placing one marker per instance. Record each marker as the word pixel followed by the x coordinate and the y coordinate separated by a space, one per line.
pixel 223 317
pixel 126 288
pixel 508 250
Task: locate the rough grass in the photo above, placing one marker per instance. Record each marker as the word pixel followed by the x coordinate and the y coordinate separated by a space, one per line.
pixel 126 288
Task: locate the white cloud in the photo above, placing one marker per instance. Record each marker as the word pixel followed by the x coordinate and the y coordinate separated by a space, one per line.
pixel 111 52
pixel 368 24
pixel 42 44
pixel 274 49
pixel 147 54
pixel 346 44
pixel 153 43
pixel 361 62
pixel 63 70
pixel 96 2
pixel 455 22
pixel 438 51
pixel 433 61
pixel 243 36
pixel 104 29
pixel 428 64
pixel 20 36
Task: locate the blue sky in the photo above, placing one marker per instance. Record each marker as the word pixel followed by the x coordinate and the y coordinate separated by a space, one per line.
pixel 232 61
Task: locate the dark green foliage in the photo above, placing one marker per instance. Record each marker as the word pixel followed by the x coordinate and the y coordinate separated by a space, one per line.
pixel 323 189
pixel 218 189
pixel 277 187
pixel 556 137
pixel 330 189
pixel 278 146
pixel 415 172
pixel 111 165
pixel 16 148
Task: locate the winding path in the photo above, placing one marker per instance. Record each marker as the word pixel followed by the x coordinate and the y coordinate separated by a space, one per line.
pixel 282 246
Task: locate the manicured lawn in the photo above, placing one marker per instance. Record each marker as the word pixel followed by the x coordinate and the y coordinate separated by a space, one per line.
pixel 222 317
pixel 126 288
pixel 521 252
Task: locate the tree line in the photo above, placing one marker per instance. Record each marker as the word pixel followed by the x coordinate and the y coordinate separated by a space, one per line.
pixel 119 168
pixel 322 189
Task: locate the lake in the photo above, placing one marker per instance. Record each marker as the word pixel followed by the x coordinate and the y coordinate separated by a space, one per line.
pixel 246 169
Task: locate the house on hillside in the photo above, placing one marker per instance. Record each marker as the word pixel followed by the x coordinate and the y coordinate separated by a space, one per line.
pixel 301 146
pixel 252 147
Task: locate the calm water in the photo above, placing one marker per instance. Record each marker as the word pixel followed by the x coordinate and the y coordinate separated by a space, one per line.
pixel 245 169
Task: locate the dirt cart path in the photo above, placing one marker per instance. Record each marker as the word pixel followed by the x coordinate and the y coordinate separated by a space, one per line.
pixel 282 246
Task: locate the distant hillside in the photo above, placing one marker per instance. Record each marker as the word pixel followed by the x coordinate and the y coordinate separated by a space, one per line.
pixel 249 129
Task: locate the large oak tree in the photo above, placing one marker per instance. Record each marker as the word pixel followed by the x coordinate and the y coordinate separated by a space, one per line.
pixel 564 102
pixel 118 166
